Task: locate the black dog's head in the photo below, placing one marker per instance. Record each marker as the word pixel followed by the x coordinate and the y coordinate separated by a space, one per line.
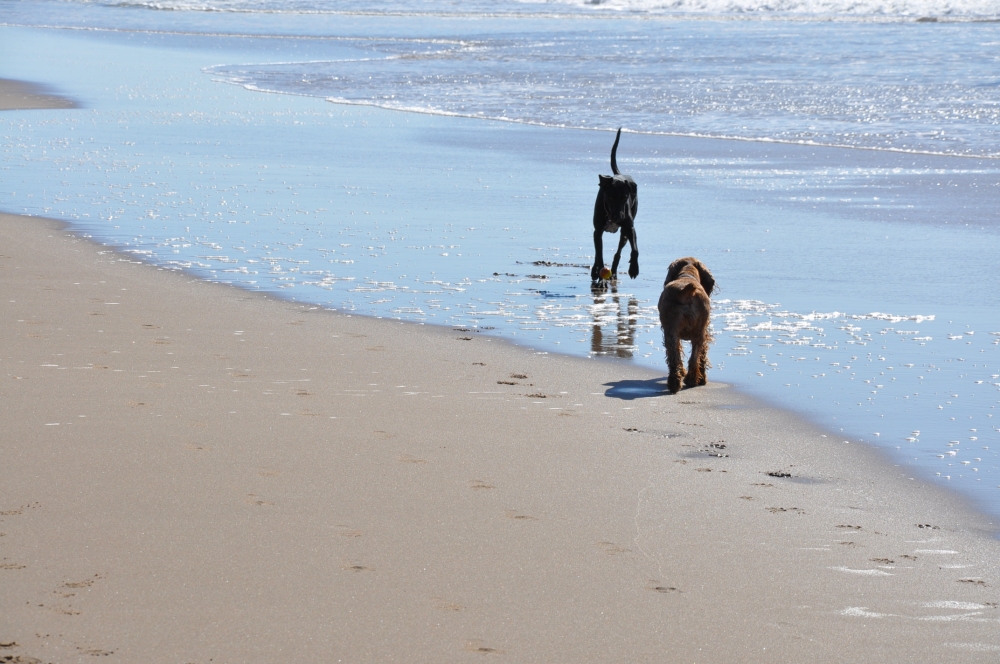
pixel 621 199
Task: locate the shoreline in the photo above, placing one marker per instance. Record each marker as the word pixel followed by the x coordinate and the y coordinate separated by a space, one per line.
pixel 464 516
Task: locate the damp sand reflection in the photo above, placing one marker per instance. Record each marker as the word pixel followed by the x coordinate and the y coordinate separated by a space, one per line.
pixel 614 329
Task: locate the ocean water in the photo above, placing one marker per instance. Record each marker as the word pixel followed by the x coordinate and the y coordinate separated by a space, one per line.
pixel 836 165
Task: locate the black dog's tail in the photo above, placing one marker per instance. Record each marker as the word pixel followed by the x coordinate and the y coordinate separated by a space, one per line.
pixel 614 149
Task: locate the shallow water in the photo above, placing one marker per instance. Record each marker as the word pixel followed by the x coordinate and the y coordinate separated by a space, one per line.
pixel 484 225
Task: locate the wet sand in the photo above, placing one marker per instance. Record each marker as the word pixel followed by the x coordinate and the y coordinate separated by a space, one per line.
pixel 193 472
pixel 21 95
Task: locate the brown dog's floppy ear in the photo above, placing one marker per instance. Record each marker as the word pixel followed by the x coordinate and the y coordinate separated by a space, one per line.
pixel 705 277
pixel 674 270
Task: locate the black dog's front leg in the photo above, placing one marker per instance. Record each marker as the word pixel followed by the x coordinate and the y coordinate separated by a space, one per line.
pixel 595 272
pixel 628 235
pixel 618 254
pixel 633 260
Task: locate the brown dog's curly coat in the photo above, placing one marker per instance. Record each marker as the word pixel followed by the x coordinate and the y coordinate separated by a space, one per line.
pixel 684 315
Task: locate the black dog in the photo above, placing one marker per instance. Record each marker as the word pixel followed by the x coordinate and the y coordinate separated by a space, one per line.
pixel 616 206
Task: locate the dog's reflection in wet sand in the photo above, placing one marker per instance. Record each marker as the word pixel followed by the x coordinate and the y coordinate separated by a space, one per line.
pixel 621 342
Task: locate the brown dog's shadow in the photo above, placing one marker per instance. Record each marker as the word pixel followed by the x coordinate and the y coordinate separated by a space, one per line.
pixel 629 390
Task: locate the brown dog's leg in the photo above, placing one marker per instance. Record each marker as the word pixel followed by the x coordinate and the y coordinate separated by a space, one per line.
pixel 675 363
pixel 696 363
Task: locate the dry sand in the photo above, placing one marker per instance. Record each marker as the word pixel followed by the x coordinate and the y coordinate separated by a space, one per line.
pixel 194 473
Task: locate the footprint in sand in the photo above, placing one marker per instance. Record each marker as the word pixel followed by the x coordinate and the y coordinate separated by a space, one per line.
pixel 656 587
pixel 406 458
pixel 95 652
pixel 86 583
pixel 442 604
pixel 517 516
pixel 347 531
pixel 479 484
pixel 349 567
pixel 610 548
pixel 477 646
pixel 20 510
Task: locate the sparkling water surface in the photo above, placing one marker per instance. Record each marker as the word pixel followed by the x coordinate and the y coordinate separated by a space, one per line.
pixel 857 285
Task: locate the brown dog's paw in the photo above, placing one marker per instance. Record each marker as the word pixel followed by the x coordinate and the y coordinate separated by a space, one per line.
pixel 692 380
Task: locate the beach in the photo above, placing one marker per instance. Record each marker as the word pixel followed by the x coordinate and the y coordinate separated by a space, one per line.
pixel 833 300
pixel 197 473
pixel 292 380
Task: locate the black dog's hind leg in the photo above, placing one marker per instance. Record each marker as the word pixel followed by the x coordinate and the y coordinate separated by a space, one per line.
pixel 595 272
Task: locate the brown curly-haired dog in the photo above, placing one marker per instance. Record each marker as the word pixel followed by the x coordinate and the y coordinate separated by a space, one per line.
pixel 684 314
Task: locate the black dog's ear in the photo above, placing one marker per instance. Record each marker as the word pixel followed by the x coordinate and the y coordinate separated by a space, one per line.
pixel 605 180
pixel 705 277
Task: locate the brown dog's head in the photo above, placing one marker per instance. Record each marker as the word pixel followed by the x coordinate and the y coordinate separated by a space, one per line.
pixel 678 267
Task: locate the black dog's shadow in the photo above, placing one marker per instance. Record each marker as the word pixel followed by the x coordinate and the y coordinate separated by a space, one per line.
pixel 628 390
